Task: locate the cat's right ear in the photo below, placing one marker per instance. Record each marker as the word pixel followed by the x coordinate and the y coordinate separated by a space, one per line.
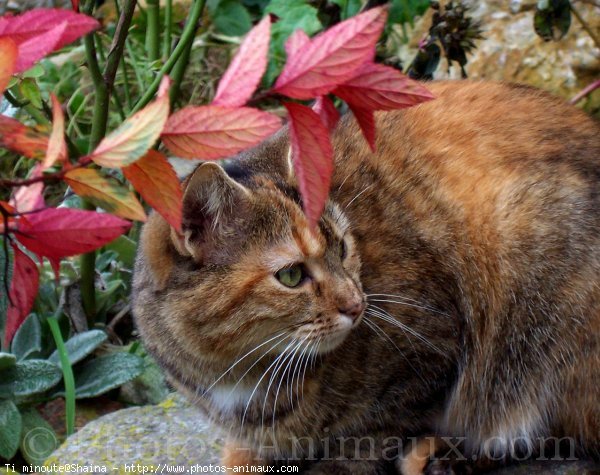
pixel 213 207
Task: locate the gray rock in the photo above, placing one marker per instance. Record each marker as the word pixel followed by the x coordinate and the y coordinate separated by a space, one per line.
pixel 172 434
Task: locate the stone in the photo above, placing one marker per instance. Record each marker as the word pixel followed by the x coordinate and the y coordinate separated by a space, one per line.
pixel 512 51
pixel 170 434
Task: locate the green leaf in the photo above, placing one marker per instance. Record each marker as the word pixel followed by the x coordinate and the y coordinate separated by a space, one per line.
pixel 29 377
pixel 230 17
pixel 105 373
pixel 125 249
pixel 36 71
pixel 30 90
pixel 38 439
pixel 28 338
pixel 293 15
pixel 80 346
pixel 405 11
pixel 348 8
pixel 552 19
pixel 10 429
pixel 3 294
pixel 7 360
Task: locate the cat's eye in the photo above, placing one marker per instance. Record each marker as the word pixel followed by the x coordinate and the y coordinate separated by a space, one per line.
pixel 343 249
pixel 291 276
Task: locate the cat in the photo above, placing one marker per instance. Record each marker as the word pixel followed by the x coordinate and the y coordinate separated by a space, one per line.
pixel 450 292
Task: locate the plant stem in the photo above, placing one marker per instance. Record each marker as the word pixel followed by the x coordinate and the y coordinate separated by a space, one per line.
pixel 585 92
pixel 186 37
pixel 67 371
pixel 168 28
pixel 179 71
pixel 152 29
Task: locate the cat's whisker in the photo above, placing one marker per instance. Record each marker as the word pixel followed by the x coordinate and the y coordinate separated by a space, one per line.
pixel 383 315
pixel 264 374
pixel 402 300
pixel 282 358
pixel 377 329
pixel 310 360
pixel 298 368
pixel 277 343
pixel 283 376
pixel 358 195
pixel 239 360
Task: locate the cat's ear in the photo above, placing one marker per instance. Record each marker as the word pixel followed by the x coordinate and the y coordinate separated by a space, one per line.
pixel 213 207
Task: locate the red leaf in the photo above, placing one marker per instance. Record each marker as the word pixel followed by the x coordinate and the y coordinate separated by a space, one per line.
pixel 312 155
pixel 75 4
pixel 327 111
pixel 243 75
pixel 296 41
pixel 154 178
pixel 36 22
pixel 134 137
pixel 212 132
pixel 22 292
pixel 332 57
pixel 29 198
pixel 36 48
pixel 8 61
pixel 379 87
pixel 59 232
pixel 57 147
pixel 21 139
pixel 366 121
pixel 41 31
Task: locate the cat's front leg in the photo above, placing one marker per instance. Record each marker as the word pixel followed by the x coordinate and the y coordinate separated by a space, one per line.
pixel 236 456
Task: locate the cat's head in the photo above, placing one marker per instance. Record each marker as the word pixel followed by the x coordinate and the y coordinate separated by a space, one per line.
pixel 246 269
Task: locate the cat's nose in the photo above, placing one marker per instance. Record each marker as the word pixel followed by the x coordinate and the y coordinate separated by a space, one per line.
pixel 352 309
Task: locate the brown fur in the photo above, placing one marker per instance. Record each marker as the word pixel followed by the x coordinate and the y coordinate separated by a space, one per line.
pixel 479 219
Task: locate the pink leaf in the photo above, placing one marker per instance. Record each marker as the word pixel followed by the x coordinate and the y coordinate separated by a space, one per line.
pixel 296 41
pixel 327 111
pixel 366 121
pixel 379 87
pixel 134 137
pixel 332 57
pixel 155 179
pixel 59 232
pixel 8 61
pixel 37 47
pixel 243 75
pixel 312 155
pixel 212 132
pixel 29 198
pixel 23 289
pixel 57 147
pixel 41 31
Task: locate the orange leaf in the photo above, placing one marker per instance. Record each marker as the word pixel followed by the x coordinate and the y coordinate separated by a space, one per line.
pixel 212 132
pixel 312 155
pixel 8 60
pixel 332 57
pixel 29 198
pixel 23 289
pixel 243 74
pixel 57 147
pixel 154 178
pixel 21 139
pixel 108 194
pixel 134 137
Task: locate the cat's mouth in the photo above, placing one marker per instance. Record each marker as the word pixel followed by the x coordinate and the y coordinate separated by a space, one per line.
pixel 326 336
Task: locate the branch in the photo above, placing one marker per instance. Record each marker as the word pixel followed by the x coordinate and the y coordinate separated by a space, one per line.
pixel 116 48
pixel 586 27
pixel 585 92
pixel 47 178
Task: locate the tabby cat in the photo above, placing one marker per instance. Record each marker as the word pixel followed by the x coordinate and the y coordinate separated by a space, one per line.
pixel 451 289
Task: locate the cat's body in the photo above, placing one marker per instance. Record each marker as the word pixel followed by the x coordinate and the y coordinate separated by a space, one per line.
pixel 476 225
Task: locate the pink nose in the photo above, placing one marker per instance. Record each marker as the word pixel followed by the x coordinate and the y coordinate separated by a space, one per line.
pixel 352 309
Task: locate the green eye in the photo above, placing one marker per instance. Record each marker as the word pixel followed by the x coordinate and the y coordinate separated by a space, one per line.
pixel 291 276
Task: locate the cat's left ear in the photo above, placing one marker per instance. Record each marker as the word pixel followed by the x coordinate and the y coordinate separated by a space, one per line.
pixel 214 209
